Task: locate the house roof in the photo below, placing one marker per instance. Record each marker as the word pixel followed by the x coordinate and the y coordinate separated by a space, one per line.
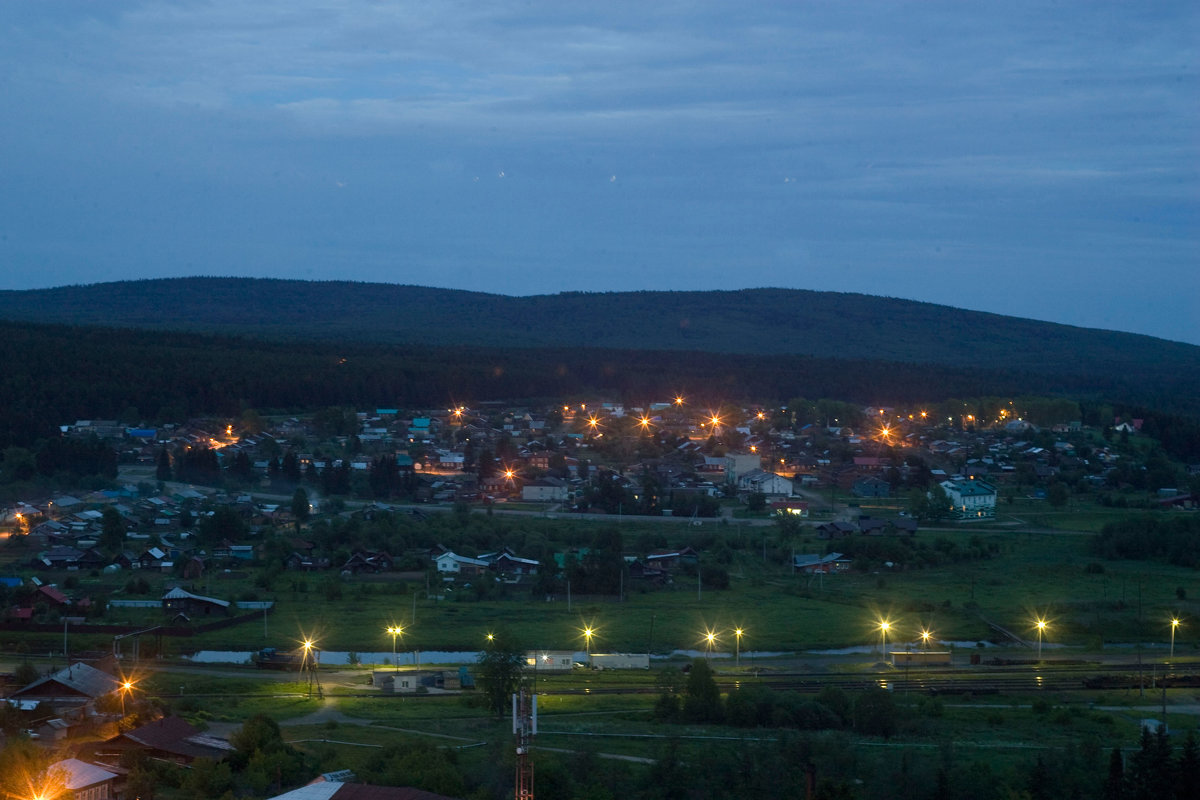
pixel 460 559
pixel 54 594
pixel 809 559
pixel 326 790
pixel 181 594
pixel 176 735
pixel 77 679
pixel 80 774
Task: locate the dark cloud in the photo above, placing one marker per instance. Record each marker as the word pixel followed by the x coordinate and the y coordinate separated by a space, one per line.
pixel 1031 159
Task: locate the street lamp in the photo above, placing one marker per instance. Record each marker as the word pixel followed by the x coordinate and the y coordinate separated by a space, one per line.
pixel 1174 625
pixel 884 627
pixel 926 635
pixel 1041 629
pixel 737 633
pixel 587 639
pixel 395 630
pixel 126 688
pixel 710 638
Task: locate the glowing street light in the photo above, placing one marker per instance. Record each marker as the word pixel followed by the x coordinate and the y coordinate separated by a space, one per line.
pixel 491 637
pixel 884 627
pixel 710 639
pixel 644 422
pixel 126 688
pixel 1174 624
pixel 737 634
pixel 926 635
pixel 1041 630
pixel 588 633
pixel 679 400
pixel 395 630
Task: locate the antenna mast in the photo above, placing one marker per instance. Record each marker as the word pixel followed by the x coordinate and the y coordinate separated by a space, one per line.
pixel 524 728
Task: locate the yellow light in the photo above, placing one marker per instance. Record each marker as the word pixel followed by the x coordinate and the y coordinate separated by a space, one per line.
pixel 738 632
pixel 1041 624
pixel 491 637
pixel 884 625
pixel 761 415
pixel 1174 623
pixel 679 400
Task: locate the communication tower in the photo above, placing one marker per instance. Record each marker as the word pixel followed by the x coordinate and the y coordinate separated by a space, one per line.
pixel 524 705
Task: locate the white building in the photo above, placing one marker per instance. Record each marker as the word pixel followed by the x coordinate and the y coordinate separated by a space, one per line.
pixel 768 483
pixel 971 499
pixel 739 464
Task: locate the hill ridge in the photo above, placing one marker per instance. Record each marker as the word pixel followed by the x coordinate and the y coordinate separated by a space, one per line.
pixel 759 321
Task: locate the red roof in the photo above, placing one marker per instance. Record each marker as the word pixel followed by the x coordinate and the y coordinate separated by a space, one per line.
pixel 55 595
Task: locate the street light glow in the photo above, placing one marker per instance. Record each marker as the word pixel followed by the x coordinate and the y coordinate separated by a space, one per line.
pixel 588 632
pixel 1041 625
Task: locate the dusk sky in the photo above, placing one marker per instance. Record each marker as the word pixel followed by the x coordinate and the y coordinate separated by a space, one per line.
pixel 1033 159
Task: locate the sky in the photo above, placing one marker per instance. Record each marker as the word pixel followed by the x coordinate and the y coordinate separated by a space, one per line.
pixel 1036 159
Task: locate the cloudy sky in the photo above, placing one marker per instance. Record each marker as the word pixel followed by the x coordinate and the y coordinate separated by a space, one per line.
pixel 1034 159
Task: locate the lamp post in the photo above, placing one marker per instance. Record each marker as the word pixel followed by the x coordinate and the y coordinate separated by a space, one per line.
pixel 737 633
pixel 884 627
pixel 710 638
pixel 396 630
pixel 1041 629
pixel 305 664
pixel 587 641
pixel 126 687
pixel 926 635
pixel 1174 625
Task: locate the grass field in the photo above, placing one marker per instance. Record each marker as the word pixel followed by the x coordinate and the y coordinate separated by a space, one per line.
pixel 1087 601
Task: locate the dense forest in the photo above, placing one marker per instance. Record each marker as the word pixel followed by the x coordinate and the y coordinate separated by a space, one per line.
pixel 52 375
pixel 774 322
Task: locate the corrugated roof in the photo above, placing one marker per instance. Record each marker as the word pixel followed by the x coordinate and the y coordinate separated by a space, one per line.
pixel 80 774
pixel 77 678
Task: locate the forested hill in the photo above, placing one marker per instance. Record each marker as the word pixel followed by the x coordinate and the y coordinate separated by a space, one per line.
pixel 751 321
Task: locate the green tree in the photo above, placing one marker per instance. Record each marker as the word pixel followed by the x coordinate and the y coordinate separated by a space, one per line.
pixel 501 665
pixel 112 530
pixel 162 469
pixel 1187 769
pixel 701 697
pixel 207 778
pixel 260 732
pixel 1114 782
pixel 301 508
pixel 225 523
pixel 875 713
